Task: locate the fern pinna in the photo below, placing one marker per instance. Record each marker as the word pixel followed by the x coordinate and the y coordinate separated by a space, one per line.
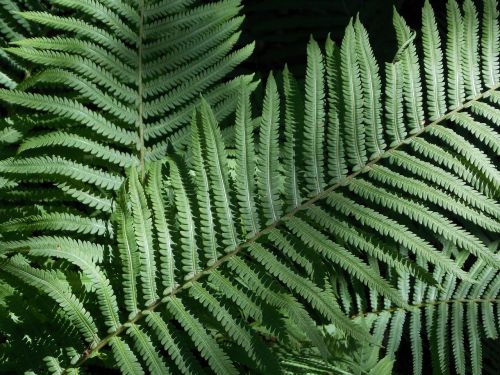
pixel 363 206
pixel 111 87
pixel 13 28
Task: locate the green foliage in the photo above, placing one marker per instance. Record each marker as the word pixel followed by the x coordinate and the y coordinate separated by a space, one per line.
pixel 449 318
pixel 13 28
pixel 110 86
pixel 356 212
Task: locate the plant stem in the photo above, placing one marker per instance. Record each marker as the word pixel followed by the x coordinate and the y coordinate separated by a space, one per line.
pixel 282 219
pixel 140 90
pixel 426 304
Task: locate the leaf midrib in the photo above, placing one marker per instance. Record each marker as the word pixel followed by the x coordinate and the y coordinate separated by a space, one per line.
pixel 187 283
pixel 427 303
pixel 140 92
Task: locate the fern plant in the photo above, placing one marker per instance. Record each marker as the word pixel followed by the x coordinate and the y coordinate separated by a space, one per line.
pixel 112 86
pixel 348 205
pixel 12 28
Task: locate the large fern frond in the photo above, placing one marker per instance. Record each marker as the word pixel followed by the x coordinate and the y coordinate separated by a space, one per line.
pixel 256 271
pixel 113 86
pixel 376 180
pixel 454 319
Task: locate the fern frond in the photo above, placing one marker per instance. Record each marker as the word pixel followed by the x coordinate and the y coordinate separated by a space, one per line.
pixel 412 88
pixel 314 119
pixel 86 196
pixel 456 93
pixel 396 130
pixel 245 158
pixel 58 166
pixel 490 44
pixel 453 317
pixel 371 87
pixel 132 76
pixel 125 358
pixel 267 177
pixel 50 282
pixel 433 63
pixel 143 230
pixel 375 218
pixel 337 164
pixel 155 189
pixel 216 158
pixel 13 28
pixel 56 222
pixel 470 50
pixel 353 102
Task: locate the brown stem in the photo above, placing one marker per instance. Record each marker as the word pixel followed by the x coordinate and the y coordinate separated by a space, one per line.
pixel 425 304
pixel 266 230
pixel 140 91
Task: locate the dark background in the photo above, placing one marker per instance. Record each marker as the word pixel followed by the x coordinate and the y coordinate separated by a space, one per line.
pixel 281 28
